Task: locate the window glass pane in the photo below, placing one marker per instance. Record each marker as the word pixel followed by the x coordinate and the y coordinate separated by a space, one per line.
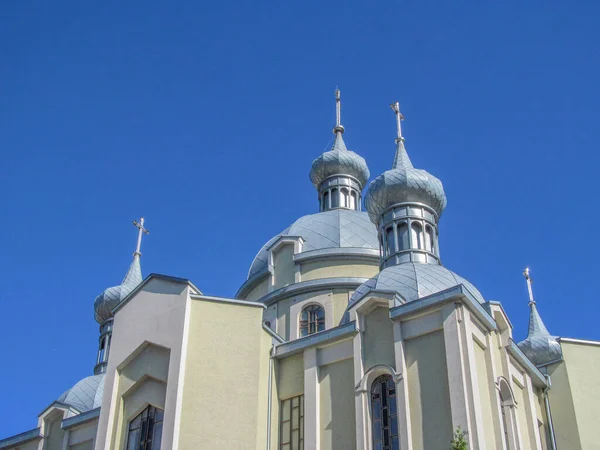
pixel 417 235
pixel 157 436
pixel 285 431
pixel 295 440
pixel 133 439
pixel 285 415
pixel 403 236
pixel 389 236
pixel 335 198
pixel 353 203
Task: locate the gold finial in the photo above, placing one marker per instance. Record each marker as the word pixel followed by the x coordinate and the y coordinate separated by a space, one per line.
pixel 399 118
pixel 338 112
pixel 529 281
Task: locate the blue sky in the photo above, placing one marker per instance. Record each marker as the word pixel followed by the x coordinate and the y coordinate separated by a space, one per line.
pixel 205 117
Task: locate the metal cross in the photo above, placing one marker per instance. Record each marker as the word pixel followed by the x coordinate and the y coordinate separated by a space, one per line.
pixel 529 281
pixel 141 230
pixel 399 118
pixel 338 113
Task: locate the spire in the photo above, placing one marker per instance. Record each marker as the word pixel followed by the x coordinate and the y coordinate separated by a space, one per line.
pixel 338 129
pixel 401 160
pixel 536 325
pixel 539 346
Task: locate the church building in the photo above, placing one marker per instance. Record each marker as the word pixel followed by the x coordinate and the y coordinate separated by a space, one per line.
pixel 348 334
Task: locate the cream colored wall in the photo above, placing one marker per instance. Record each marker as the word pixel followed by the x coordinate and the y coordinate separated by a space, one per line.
pixel 337 413
pixel 53 434
pixel 486 391
pixel 378 339
pixel 562 408
pixel 260 290
pixel 89 445
pixel 428 393
pixel 583 366
pixel 340 299
pixel 522 420
pixel 82 436
pixel 316 270
pixel 31 445
pixel 284 268
pixel 155 314
pixel 224 397
pixel 290 376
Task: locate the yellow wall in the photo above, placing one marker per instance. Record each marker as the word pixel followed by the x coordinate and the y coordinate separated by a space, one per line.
pixel 340 300
pixel 562 408
pixel 338 268
pixel 54 434
pixel 224 394
pixel 284 267
pixel 338 430
pixel 486 390
pixel 522 421
pixel 89 445
pixel 283 317
pixel 260 290
pixel 290 377
pixel 378 339
pixel 428 393
pixel 583 369
pixel 32 445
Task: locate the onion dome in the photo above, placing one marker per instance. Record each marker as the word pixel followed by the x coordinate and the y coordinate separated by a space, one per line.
pixel 111 297
pixel 539 346
pixel 404 184
pixel 412 281
pixel 339 161
pixel 86 394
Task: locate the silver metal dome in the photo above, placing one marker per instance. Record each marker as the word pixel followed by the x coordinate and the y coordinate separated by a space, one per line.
pixel 86 394
pixel 404 184
pixel 540 346
pixel 339 228
pixel 339 161
pixel 111 297
pixel 412 281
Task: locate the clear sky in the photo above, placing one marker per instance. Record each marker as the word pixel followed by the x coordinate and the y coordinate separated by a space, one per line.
pixel 205 117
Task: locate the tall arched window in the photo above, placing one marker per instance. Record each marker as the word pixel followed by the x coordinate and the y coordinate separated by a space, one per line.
pixel 335 198
pixel 325 201
pixel 506 405
pixel 312 320
pixel 403 236
pixel 145 431
pixel 417 235
pixel 353 202
pixel 384 414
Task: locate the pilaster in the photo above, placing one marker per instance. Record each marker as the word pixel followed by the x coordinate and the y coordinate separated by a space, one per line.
pixel 311 400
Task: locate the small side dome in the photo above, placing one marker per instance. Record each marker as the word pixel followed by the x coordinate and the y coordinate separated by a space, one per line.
pixel 404 184
pixel 540 346
pixel 86 394
pixel 111 297
pixel 339 161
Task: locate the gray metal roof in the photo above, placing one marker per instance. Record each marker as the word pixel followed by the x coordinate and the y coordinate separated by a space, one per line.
pixel 339 160
pixel 412 281
pixel 339 228
pixel 86 394
pixel 539 346
pixel 107 300
pixel 403 183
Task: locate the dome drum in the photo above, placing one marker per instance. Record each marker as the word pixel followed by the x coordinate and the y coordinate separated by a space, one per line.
pixel 408 233
pixel 340 191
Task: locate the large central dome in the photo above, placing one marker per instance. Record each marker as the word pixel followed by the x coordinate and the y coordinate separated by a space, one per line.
pixel 339 228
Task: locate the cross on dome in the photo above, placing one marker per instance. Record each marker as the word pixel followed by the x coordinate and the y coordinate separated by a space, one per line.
pixel 141 230
pixel 399 118
pixel 338 113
